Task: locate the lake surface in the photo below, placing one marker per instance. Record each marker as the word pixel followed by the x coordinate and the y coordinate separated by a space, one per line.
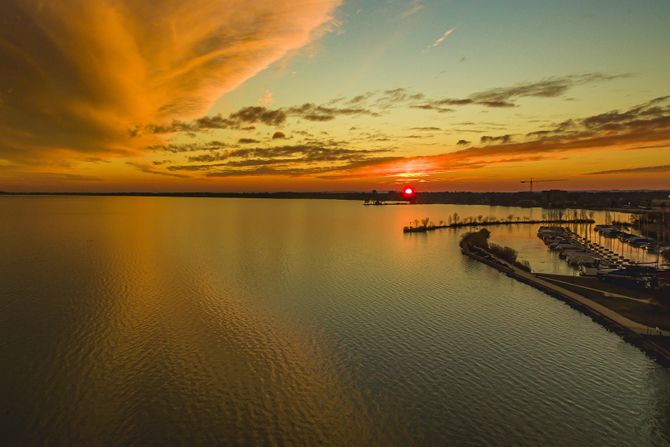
pixel 186 321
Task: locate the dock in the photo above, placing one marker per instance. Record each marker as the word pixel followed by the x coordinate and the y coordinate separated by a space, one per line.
pixel 579 251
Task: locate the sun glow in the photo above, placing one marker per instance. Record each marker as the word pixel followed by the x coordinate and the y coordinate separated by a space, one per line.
pixel 408 192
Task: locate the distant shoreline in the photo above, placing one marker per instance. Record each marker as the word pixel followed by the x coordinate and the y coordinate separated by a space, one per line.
pixel 613 200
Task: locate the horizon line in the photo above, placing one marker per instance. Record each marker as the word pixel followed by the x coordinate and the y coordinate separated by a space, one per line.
pixel 186 193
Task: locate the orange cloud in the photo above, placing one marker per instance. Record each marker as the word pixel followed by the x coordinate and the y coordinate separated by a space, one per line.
pixel 78 74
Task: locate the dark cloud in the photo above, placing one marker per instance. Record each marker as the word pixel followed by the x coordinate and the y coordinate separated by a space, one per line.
pixel 176 148
pixel 637 127
pixel 314 112
pixel 337 100
pixel 211 157
pixel 433 107
pixel 243 119
pixel 250 162
pixel 305 153
pixel 278 135
pixel 294 159
pixel 344 172
pixel 325 172
pixel 475 130
pixel 426 129
pixel 389 98
pixel 645 169
pixel 360 98
pixel 37 176
pixel 503 139
pixel 642 126
pixel 374 103
pixel 504 97
pixel 204 123
pixel 454 102
pixel 265 170
pixel 648 120
pixel 546 88
pixel 259 115
pixel 652 115
pixel 95 160
pixel 247 141
pixel 147 169
pixel 496 104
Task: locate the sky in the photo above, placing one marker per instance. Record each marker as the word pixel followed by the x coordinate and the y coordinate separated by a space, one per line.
pixel 333 95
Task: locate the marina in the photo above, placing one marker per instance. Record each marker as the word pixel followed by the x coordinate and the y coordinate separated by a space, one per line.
pixel 594 259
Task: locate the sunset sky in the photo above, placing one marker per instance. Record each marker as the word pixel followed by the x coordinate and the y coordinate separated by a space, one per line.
pixel 311 95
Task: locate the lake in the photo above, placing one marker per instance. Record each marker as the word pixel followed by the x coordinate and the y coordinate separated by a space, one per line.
pixel 197 321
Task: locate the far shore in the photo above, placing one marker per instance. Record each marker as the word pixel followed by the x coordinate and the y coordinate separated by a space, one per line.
pixel 619 201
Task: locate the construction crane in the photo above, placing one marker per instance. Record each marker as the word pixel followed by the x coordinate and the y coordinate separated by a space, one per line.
pixel 532 181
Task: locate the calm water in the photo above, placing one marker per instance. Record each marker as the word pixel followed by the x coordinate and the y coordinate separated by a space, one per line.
pixel 187 321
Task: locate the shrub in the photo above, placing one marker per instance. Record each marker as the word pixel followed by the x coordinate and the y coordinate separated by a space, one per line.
pixel 507 253
pixel 481 239
pixel 476 238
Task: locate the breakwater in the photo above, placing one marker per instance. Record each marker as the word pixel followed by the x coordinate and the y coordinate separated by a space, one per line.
pixel 639 335
pixel 423 228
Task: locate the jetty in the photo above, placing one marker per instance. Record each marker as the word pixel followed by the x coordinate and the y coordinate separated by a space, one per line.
pixel 652 340
pixel 380 203
pixel 426 226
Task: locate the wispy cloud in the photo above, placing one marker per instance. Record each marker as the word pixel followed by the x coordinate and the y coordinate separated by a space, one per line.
pixel 502 97
pixel 266 99
pixel 147 169
pixel 414 7
pixel 645 169
pixel 440 39
pixel 66 88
